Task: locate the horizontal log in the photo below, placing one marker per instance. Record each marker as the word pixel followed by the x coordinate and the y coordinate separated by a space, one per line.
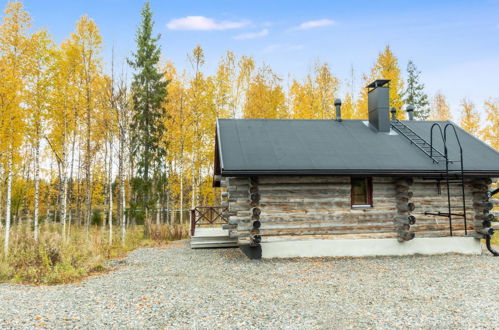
pixel 242 188
pixel 487 206
pixel 302 179
pixel 406 194
pixel 485 181
pixel 237 194
pixel 301 186
pixel 405 207
pixel 480 195
pixel 234 181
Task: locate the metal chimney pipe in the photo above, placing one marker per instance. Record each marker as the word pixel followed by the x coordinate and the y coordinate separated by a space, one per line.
pixel 410 112
pixel 394 113
pixel 337 104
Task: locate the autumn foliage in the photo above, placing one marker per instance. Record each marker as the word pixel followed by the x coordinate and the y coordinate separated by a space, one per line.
pixel 69 126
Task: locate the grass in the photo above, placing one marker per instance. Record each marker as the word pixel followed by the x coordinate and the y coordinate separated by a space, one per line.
pixel 54 260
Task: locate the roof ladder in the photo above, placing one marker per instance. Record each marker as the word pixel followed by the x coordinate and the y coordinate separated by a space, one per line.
pixel 457 175
pixel 435 155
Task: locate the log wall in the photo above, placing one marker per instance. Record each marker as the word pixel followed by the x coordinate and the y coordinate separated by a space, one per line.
pixel 271 208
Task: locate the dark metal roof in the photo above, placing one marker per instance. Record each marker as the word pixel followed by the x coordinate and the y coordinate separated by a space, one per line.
pixel 329 147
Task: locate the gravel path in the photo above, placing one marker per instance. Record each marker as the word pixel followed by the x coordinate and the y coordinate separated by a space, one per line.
pixel 179 287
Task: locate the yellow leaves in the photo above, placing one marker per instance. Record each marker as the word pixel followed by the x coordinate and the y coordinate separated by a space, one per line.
pixel 470 118
pixel 490 132
pixel 265 97
pixel 440 109
pixel 314 98
pixel 385 67
pixel 15 57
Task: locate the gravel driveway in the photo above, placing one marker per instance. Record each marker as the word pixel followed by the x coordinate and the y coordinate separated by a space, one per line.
pixel 179 287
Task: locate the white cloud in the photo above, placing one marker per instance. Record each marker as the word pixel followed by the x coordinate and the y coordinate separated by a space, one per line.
pixel 315 24
pixel 252 35
pixel 204 24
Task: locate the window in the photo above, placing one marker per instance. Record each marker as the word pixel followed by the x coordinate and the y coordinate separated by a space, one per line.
pixel 362 192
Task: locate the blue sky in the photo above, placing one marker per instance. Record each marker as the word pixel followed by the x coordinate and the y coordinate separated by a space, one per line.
pixel 454 43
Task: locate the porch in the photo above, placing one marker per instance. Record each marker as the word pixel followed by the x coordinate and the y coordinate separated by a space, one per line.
pixel 207 228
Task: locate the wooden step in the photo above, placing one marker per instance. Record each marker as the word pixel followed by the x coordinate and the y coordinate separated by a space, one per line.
pixel 212 238
pixel 202 244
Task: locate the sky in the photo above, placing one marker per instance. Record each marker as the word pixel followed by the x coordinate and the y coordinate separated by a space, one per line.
pixel 454 43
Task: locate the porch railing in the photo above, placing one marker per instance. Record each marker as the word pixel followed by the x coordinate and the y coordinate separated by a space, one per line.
pixel 207 216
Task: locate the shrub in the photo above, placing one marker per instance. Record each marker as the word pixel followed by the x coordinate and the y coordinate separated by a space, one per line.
pixel 54 259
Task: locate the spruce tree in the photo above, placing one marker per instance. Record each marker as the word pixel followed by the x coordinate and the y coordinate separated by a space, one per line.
pixel 414 94
pixel 148 95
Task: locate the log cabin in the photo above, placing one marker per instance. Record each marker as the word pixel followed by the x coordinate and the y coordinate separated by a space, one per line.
pixel 380 186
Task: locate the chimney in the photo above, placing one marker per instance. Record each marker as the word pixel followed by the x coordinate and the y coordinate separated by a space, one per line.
pixel 410 112
pixel 378 101
pixel 337 104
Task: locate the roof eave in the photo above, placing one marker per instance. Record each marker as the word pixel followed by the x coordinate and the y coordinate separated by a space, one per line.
pixel 415 173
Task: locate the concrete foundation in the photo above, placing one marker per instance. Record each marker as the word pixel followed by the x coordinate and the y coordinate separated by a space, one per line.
pixel 370 247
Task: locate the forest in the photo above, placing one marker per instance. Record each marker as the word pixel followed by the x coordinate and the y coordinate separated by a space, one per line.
pixel 87 150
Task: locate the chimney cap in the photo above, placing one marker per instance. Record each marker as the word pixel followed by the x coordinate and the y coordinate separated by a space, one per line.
pixel 378 83
pixel 410 107
pixel 337 102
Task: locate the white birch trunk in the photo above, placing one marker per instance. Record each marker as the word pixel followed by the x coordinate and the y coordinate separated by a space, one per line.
pixel 7 206
pixel 121 174
pixel 1 195
pixel 123 205
pixel 37 187
pixel 181 189
pixel 70 191
pixel 110 191
pixel 158 208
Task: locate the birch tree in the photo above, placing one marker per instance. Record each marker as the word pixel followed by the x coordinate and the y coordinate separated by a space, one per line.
pixel 15 48
pixel 440 108
pixel 88 43
pixel 38 98
pixel 470 118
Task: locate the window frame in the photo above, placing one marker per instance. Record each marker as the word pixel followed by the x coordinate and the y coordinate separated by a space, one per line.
pixel 369 187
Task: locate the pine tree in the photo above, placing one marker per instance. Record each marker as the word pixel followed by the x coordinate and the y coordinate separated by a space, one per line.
pixel 148 95
pixel 414 94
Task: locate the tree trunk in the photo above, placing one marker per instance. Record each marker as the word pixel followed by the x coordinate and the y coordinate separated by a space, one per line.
pixel 78 189
pixel 121 174
pixel 110 191
pixel 70 190
pixel 7 206
pixel 1 195
pixel 37 187
pixel 181 188
pixel 158 210
pixel 88 196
